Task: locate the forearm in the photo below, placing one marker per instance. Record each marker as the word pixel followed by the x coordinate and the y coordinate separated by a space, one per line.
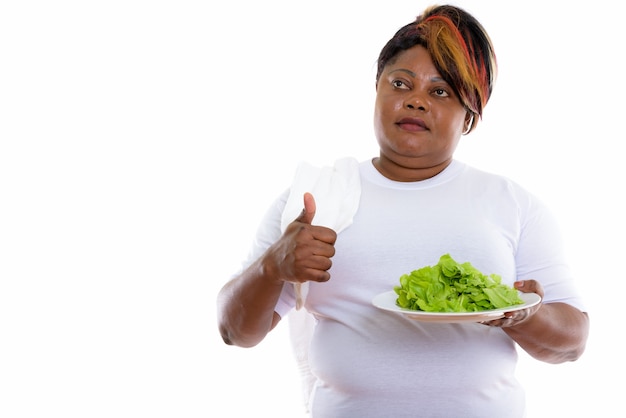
pixel 556 333
pixel 245 306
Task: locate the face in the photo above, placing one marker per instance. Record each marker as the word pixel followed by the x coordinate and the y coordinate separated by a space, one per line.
pixel 418 119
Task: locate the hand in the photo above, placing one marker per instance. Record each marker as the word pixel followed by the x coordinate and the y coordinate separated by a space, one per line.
pixel 304 251
pixel 514 318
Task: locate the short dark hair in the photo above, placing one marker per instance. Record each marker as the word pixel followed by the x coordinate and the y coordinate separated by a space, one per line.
pixel 460 48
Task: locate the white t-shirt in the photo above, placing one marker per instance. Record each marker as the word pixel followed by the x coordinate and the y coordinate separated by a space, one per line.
pixel 373 363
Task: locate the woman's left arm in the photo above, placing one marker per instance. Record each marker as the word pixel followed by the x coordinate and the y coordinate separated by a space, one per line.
pixel 550 332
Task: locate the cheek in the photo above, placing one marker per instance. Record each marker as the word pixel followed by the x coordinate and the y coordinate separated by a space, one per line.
pixel 379 127
pixel 378 117
pixel 384 112
pixel 452 123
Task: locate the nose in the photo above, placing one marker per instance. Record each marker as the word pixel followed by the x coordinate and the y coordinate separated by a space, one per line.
pixel 415 101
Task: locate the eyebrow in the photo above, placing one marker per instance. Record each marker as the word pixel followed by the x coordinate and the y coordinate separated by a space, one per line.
pixel 412 74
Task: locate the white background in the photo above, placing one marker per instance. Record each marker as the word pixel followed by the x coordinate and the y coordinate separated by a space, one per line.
pixel 141 142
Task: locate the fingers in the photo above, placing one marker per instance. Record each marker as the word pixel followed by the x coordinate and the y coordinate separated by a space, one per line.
pixel 304 252
pixel 511 319
pixel 320 233
pixel 508 320
pixel 518 316
pixel 308 212
pixel 514 318
pixel 317 271
pixel 307 261
pixel 529 286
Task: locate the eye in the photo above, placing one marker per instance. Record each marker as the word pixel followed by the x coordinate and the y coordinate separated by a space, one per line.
pixel 440 92
pixel 399 84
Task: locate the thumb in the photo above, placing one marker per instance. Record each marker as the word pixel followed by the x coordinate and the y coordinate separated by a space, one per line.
pixel 307 214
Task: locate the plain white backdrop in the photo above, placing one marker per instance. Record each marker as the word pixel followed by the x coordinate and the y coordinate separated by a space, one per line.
pixel 142 141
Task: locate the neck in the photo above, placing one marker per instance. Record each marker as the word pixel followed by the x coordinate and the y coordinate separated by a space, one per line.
pixel 396 171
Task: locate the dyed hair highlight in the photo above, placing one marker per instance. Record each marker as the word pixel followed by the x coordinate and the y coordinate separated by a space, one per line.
pixel 461 51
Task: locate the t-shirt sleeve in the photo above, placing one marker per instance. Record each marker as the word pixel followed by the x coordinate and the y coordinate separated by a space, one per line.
pixel 267 233
pixel 540 254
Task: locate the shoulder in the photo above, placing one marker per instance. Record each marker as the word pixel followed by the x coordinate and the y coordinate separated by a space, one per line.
pixel 491 180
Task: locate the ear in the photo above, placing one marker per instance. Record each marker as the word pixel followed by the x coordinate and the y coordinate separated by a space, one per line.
pixel 469 120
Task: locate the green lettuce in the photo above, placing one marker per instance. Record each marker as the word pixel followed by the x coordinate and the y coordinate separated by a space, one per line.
pixel 450 286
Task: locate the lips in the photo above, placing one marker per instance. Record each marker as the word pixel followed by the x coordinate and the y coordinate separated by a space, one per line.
pixel 412 124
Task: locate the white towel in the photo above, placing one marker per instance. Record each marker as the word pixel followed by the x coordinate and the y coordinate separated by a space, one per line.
pixel 337 191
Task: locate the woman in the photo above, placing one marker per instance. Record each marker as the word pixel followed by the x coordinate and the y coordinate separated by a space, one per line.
pixel 415 203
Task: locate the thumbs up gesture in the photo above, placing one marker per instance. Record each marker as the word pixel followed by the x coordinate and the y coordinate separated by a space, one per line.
pixel 304 251
pixel 308 212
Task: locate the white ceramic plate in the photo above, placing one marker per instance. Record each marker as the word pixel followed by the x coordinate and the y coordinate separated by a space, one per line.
pixel 387 302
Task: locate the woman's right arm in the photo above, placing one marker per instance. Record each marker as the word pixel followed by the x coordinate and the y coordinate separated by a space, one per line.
pixel 245 305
